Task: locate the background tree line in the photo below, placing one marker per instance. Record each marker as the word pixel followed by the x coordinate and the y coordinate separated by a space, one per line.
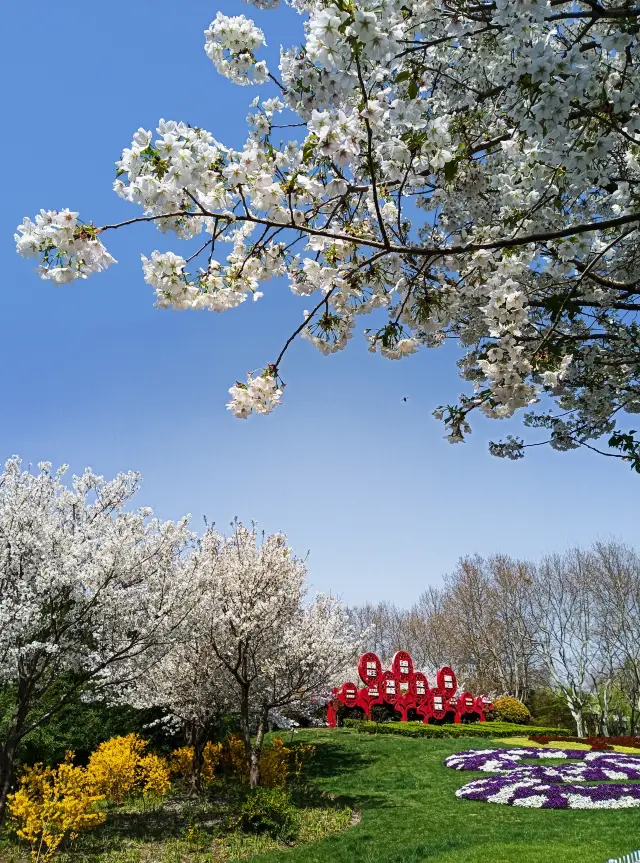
pixel 562 634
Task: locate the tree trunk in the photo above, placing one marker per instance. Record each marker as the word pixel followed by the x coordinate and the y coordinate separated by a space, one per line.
pixel 256 751
pixel 7 770
pixel 196 738
pixel 9 748
pixel 245 725
pixel 578 718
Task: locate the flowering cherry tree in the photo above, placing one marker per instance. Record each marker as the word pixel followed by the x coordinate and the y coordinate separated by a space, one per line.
pixel 188 681
pixel 467 170
pixel 276 649
pixel 87 589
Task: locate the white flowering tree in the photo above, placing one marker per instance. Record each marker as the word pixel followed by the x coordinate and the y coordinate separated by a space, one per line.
pixel 188 682
pixel 467 170
pixel 276 649
pixel 86 590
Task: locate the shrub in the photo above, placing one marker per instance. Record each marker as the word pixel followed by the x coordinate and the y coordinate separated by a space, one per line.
pixel 549 708
pixel 181 761
pixel 508 709
pixel 419 729
pixel 278 763
pixel 52 804
pixel 154 775
pixel 233 757
pixel 270 810
pixel 121 767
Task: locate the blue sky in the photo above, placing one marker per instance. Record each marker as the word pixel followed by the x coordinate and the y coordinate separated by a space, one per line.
pixel 94 375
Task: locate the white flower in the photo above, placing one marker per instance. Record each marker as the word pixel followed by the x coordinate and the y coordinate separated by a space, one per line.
pixel 259 395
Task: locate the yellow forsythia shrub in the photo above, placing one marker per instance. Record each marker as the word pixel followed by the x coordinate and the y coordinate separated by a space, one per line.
pixel 121 767
pixel 274 764
pixel 302 753
pixel 278 763
pixel 155 775
pixel 233 757
pixel 53 803
pixel 211 758
pixel 181 761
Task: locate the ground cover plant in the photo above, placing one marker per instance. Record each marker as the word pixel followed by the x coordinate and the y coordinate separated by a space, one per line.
pixel 586 779
pixel 408 814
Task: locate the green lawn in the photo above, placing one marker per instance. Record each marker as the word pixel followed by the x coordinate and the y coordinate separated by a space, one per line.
pixel 410 813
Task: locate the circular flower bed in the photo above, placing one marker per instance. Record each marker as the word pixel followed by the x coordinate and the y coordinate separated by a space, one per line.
pixel 549 786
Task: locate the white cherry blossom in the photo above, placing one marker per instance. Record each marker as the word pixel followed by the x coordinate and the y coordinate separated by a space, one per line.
pixel 469 172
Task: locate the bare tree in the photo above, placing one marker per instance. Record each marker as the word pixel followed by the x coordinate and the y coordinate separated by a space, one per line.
pixel 617 588
pixel 563 607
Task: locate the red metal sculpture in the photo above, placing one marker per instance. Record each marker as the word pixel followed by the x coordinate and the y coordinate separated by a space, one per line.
pixel 406 690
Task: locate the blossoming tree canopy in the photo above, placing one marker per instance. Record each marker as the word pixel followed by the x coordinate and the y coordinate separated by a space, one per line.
pixel 466 171
pixel 86 589
pixel 277 649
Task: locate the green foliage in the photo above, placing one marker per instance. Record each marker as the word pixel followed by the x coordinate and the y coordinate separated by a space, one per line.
pixel 488 730
pixel 549 708
pixel 508 709
pixel 271 811
pixel 80 727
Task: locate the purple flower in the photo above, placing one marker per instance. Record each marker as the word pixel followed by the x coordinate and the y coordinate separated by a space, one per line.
pixel 544 786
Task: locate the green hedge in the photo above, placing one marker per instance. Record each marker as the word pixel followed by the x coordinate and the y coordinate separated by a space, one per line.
pixel 476 729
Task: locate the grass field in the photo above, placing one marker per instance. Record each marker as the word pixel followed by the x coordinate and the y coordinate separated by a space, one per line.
pixel 408 812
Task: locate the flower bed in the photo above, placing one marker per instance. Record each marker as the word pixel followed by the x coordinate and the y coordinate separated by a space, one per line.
pixel 488 730
pixel 601 743
pixel 550 786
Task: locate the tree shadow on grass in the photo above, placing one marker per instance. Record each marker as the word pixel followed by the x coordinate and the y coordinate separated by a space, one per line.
pixel 157 825
pixel 331 759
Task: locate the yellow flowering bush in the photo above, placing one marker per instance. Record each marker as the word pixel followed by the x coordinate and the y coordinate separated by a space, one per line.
pixel 274 764
pixel 211 758
pixel 508 709
pixel 53 803
pixel 121 767
pixel 233 758
pixel 181 761
pixel 278 763
pixel 155 775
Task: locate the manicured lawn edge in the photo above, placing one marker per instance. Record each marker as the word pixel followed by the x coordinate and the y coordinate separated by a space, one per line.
pixel 487 730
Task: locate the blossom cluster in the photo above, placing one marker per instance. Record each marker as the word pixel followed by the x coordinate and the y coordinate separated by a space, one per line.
pixel 67 248
pixel 231 43
pixel 259 395
pixel 495 205
pixel 550 786
pixel 75 553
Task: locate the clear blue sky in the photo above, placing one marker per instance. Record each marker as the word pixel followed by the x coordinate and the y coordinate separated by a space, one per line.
pixel 94 375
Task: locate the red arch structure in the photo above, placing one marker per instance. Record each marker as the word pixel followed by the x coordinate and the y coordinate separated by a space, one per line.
pixel 406 690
